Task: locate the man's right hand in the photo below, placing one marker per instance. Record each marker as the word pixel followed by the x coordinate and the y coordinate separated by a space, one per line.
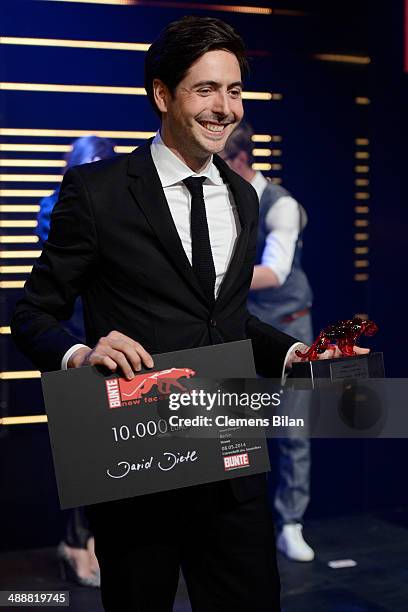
pixel 112 351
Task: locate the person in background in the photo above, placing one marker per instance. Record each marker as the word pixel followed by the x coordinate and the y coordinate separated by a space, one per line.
pixel 84 150
pixel 76 552
pixel 281 296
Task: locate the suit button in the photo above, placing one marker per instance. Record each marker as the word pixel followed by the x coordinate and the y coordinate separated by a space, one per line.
pixel 213 323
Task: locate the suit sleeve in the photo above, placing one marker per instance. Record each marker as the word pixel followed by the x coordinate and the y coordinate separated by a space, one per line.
pixel 270 347
pixel 61 273
pixel 269 344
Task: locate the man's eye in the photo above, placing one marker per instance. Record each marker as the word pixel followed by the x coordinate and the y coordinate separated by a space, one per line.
pixel 235 93
pixel 205 91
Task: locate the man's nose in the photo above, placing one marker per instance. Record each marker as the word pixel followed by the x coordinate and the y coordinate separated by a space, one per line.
pixel 221 103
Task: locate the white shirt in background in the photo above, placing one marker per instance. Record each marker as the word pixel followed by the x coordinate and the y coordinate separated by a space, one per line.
pixel 282 222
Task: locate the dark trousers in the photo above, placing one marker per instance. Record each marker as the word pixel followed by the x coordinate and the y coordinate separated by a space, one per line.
pixel 226 550
pixel 77 531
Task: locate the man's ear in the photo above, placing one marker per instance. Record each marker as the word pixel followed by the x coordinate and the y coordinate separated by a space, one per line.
pixel 161 95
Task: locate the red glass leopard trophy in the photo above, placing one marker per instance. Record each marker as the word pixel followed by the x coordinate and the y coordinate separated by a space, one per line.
pixel 343 333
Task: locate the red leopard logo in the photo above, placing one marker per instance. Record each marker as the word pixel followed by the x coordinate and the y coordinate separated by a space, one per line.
pixel 123 392
pixel 164 380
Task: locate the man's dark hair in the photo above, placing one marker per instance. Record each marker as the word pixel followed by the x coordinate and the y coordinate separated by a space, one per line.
pixel 183 42
pixel 240 140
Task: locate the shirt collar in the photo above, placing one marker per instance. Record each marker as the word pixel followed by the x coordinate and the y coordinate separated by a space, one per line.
pixel 172 170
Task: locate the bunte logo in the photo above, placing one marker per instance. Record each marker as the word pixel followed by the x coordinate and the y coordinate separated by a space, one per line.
pixel 233 462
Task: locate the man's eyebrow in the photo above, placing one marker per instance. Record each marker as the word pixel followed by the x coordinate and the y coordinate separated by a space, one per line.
pixel 215 84
pixel 236 84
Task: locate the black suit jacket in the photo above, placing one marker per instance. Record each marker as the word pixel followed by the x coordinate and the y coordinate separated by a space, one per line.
pixel 113 241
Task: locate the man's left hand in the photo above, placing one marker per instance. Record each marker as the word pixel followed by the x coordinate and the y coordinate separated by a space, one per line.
pixel 333 352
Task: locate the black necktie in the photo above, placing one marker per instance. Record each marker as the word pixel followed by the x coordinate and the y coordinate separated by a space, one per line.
pixel 202 259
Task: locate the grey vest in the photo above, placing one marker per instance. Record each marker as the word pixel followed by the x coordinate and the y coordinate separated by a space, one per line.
pixel 271 304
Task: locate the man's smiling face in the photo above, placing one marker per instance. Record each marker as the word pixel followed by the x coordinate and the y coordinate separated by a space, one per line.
pixel 204 109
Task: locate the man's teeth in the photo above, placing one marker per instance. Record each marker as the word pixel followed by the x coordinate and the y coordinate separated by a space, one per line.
pixel 212 126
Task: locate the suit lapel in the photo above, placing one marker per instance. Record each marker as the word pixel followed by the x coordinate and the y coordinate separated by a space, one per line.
pixel 240 196
pixel 149 195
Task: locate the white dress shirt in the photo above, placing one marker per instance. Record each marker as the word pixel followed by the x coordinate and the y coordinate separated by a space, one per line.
pixel 282 221
pixel 222 215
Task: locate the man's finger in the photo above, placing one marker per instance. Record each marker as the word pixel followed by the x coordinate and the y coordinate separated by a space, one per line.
pixel 96 358
pixel 146 357
pixel 111 359
pixel 330 352
pixel 333 351
pixel 137 355
pixel 361 351
pixel 133 350
pixel 133 355
pixel 123 363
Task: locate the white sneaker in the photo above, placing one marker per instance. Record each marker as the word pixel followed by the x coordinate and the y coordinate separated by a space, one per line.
pixel 290 542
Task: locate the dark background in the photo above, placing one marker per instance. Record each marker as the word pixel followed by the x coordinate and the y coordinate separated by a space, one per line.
pixel 319 121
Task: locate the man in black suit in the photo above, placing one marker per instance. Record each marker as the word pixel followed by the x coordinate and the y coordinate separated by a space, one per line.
pixel 156 276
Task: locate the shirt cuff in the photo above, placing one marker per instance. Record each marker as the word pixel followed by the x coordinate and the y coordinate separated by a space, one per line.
pixel 64 362
pixel 294 346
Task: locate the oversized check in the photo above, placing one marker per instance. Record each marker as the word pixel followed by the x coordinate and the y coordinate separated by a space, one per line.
pixel 113 438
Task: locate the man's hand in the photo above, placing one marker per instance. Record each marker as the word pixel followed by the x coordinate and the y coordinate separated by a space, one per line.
pixel 112 351
pixel 333 352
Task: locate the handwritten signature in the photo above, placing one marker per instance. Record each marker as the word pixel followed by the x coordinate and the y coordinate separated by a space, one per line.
pixel 167 462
